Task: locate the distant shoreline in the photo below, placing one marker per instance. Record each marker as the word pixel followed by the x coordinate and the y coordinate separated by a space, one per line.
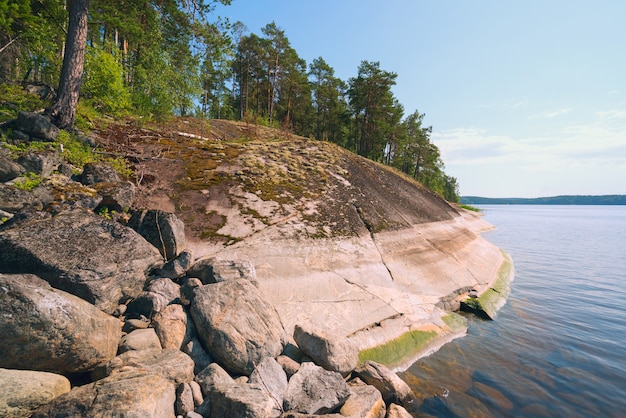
pixel 615 199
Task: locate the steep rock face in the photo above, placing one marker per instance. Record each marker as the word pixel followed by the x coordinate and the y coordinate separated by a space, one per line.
pixel 336 241
pixel 83 254
pixel 50 330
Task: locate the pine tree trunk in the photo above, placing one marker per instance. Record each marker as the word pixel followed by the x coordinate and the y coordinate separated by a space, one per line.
pixel 63 110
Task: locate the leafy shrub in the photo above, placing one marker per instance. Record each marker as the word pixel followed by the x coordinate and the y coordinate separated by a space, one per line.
pixel 28 182
pixel 103 84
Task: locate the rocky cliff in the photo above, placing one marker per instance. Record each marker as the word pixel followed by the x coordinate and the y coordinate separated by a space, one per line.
pixel 234 251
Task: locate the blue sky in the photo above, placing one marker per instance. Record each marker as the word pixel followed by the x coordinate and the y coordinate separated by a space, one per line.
pixel 526 98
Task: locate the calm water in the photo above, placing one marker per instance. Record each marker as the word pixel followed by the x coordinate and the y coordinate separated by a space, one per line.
pixel 558 348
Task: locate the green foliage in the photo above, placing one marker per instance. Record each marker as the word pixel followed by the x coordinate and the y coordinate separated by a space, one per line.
pixel 394 352
pixel 28 182
pixel 76 152
pixel 470 208
pixel 121 166
pixel 103 83
pixel 15 98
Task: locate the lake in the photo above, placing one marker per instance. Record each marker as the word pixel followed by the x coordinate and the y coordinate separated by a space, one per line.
pixel 558 347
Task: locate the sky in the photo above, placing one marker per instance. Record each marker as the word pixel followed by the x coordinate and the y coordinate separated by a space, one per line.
pixel 526 98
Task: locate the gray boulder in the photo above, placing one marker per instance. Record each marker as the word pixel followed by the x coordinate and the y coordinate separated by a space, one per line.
pixel 42 163
pixel 83 254
pixel 139 339
pixel 198 354
pixel 9 169
pixel 162 229
pixel 332 352
pixel 158 294
pixel 97 173
pixel 51 330
pixel 184 399
pixel 389 384
pixel 116 196
pixel 131 394
pixel 36 126
pixel 211 376
pixel 23 391
pixel 177 267
pixel 236 325
pixel 365 401
pixel 172 364
pixel 188 289
pixel 242 400
pixel 211 270
pixel 271 377
pixel 13 200
pixel 170 326
pixel 314 390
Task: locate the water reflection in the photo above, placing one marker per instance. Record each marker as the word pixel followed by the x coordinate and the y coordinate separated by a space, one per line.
pixel 557 348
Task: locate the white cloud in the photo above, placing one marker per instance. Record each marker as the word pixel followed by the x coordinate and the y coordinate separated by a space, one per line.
pixel 611 114
pixel 550 115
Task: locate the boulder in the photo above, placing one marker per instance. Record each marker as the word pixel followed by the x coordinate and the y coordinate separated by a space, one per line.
pixel 198 354
pixel 97 173
pixel 51 330
pixel 184 399
pixel 60 193
pixel 196 392
pixel 211 270
pixel 271 377
pixel 365 401
pixel 172 364
pixel 211 376
pixel 171 326
pixel 332 352
pixel 130 394
pixel 139 339
pixel 289 365
pixel 116 196
pixel 242 400
pixel 389 384
pixel 23 391
pixel 162 229
pixel 42 163
pixel 36 126
pixel 177 267
pixel 24 216
pixel 13 199
pixel 83 254
pixel 188 288
pixel 396 411
pixel 236 325
pixel 9 169
pixel 159 293
pixel 315 390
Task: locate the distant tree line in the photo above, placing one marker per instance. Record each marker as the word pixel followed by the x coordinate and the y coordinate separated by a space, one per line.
pixel 552 200
pixel 165 57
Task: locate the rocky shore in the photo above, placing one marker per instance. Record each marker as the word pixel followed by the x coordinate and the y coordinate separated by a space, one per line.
pixel 108 309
